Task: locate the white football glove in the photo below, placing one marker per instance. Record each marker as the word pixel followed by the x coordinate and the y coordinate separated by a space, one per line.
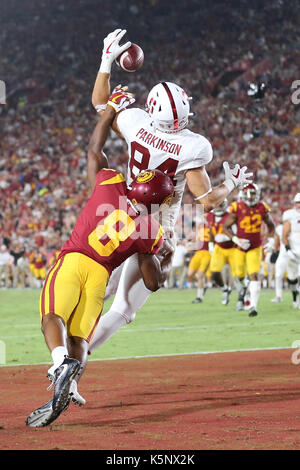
pixel 236 177
pixel 270 245
pixel 112 49
pixel 241 242
pixel 120 99
pixel 221 237
pixel 290 254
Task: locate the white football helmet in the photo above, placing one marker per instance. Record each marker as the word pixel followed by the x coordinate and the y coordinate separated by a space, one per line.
pixel 169 107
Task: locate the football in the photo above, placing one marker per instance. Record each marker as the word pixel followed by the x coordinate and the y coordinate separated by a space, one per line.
pixel 132 59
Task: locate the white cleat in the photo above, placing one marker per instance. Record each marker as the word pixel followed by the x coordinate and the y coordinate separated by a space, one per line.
pixel 75 395
pixel 276 299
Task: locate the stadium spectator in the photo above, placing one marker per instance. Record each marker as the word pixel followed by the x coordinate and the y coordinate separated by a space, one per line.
pixel 5 263
pixel 46 123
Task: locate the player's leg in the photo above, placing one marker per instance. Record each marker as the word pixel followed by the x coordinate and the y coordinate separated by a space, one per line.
pixel 130 297
pixel 201 274
pixel 292 277
pixel 239 261
pixel 280 270
pixel 217 263
pixel 85 318
pixel 253 261
pixel 59 297
pixel 193 268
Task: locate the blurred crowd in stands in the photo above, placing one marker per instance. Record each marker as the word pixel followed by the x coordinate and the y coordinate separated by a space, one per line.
pixel 49 57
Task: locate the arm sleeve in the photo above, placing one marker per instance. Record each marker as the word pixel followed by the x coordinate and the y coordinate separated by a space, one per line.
pixel 203 154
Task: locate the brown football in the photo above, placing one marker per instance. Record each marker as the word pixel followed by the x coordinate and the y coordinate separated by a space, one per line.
pixel 132 59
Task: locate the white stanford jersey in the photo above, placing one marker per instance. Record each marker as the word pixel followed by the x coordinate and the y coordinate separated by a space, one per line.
pixel 172 153
pixel 293 216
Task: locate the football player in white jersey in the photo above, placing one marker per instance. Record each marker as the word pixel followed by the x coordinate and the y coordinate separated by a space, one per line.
pixel 156 138
pixel 280 264
pixel 291 241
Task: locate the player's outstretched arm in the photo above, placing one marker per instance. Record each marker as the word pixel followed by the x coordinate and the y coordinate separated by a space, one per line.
pixel 97 159
pixel 111 50
pixel 200 185
pixel 270 224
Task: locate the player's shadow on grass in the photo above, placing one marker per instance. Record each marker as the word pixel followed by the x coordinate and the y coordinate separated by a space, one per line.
pixel 215 403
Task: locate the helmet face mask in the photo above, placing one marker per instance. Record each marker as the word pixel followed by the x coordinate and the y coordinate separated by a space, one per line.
pixel 250 194
pixel 168 106
pixel 151 189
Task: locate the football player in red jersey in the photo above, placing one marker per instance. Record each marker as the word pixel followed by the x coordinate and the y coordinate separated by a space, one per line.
pixel 157 137
pixel 223 252
pixel 113 225
pixel 248 214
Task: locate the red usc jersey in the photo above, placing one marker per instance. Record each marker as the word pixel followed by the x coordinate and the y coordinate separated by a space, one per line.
pixel 203 237
pixel 249 221
pixel 216 227
pixel 108 229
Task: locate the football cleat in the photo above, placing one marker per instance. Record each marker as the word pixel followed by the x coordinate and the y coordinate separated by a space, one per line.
pixel 75 395
pixel 240 305
pixel 252 312
pixel 276 299
pixel 226 295
pixel 197 300
pixel 64 375
pixel 44 415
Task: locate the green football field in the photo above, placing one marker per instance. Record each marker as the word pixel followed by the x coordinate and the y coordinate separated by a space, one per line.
pixel 167 324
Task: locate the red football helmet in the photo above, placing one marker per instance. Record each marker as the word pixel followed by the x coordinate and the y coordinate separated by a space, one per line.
pixel 151 187
pixel 221 209
pixel 250 194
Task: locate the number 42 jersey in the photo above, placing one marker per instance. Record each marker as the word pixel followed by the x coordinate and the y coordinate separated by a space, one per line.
pixel 172 153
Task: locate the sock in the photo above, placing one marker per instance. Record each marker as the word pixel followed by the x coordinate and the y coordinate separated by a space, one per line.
pixel 107 326
pixel 254 289
pixel 189 284
pixel 58 355
pixel 278 287
pixel 200 292
pixel 295 295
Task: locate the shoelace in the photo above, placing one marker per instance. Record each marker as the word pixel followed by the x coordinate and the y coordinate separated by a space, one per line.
pixel 52 379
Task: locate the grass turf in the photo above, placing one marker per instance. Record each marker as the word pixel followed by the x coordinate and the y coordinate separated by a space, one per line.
pixel 167 324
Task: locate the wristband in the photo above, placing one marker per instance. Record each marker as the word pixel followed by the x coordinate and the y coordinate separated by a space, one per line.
pixel 287 247
pixel 229 184
pixel 105 67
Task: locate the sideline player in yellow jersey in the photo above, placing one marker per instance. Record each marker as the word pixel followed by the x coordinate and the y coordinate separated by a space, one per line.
pixel 223 252
pixel 248 214
pixel 199 263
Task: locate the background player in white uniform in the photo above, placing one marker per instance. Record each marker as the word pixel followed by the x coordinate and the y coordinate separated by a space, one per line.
pixel 280 265
pixel 156 139
pixel 291 241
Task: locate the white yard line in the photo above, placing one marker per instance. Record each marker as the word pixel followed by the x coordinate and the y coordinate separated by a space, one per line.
pixel 162 355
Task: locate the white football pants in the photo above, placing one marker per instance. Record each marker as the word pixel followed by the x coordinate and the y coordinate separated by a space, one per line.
pixel 131 294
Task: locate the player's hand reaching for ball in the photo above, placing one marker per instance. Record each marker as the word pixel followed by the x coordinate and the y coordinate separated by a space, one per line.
pixel 112 49
pixel 236 177
pixel 120 98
